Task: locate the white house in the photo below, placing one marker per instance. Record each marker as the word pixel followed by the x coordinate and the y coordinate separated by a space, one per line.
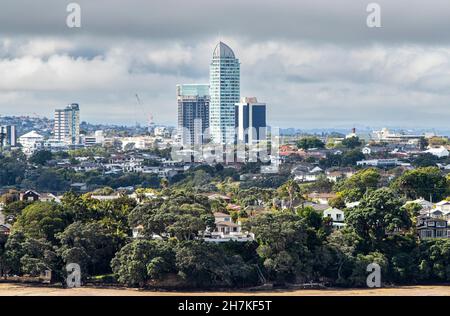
pixel 426 205
pixel 336 215
pixel 225 225
pixel 443 205
pixel 438 152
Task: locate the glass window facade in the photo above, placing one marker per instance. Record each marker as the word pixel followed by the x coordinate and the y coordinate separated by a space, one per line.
pixel 224 93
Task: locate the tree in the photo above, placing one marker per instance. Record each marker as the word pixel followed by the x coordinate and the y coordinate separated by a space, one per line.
pixel 282 239
pixel 204 264
pixel 425 160
pixel 183 216
pixel 14 209
pixel 379 213
pixel 42 220
pixel 350 157
pixel 143 260
pixel 12 170
pixel 434 260
pixel 353 188
pixel 427 183
pixel 290 191
pixel 50 180
pixel 310 142
pixel 351 142
pixel 91 245
pixel 41 157
pixel 31 256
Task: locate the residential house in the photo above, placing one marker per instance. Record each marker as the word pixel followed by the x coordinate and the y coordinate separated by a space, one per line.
pixel 337 216
pixel 304 173
pixel 439 152
pixel 79 187
pixel 443 205
pixel 227 230
pixel 425 205
pixel 321 198
pixel 30 196
pixel 380 163
pixel 429 227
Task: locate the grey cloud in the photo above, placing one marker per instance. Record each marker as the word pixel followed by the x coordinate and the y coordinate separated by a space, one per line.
pixel 342 21
pixel 316 64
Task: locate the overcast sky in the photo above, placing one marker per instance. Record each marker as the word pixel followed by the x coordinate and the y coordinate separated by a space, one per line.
pixel 315 63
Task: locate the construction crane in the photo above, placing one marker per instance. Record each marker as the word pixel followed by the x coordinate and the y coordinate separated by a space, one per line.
pixel 150 116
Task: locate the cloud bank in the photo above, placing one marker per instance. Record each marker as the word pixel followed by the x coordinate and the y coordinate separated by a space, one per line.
pixel 314 64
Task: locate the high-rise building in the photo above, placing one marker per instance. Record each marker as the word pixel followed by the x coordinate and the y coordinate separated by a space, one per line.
pixel 224 93
pixel 193 113
pixel 250 120
pixel 8 136
pixel 67 125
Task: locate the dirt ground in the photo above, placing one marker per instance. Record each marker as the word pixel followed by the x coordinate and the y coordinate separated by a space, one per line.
pixel 8 289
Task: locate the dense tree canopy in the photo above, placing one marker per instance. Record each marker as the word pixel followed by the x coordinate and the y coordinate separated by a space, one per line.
pixel 426 182
pixel 310 142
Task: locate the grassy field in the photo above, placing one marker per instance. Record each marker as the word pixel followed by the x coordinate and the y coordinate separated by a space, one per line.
pixel 7 289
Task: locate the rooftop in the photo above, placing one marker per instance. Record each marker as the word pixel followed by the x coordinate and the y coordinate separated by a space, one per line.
pixel 222 50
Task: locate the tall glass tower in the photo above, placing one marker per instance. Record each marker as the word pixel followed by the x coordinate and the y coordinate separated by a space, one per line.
pixel 225 93
pixel 193 113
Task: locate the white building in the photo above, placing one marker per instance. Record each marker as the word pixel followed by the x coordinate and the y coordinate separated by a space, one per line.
pixel 31 142
pixel 438 152
pixel 336 215
pixel 224 93
pixel 67 125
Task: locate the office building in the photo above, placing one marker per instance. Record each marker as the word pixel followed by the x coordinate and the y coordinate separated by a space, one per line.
pixel 250 120
pixel 8 136
pixel 193 113
pixel 67 125
pixel 31 142
pixel 224 93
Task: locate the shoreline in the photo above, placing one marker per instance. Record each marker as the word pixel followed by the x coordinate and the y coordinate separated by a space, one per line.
pixel 15 289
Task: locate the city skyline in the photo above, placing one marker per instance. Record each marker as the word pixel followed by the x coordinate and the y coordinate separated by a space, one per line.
pixel 314 69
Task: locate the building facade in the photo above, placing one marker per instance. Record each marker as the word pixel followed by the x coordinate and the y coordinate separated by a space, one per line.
pixel 8 136
pixel 193 113
pixel 250 120
pixel 67 125
pixel 31 142
pixel 224 93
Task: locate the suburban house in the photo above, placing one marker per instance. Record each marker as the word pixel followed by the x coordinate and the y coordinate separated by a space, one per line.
pixel 334 174
pixel 426 205
pixel 438 152
pixel 306 174
pixel 443 205
pixel 321 198
pixel 49 197
pixel 217 196
pixel 29 196
pixel 336 215
pixel 227 230
pixel 79 187
pixel 380 163
pixel 225 225
pixel 429 227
